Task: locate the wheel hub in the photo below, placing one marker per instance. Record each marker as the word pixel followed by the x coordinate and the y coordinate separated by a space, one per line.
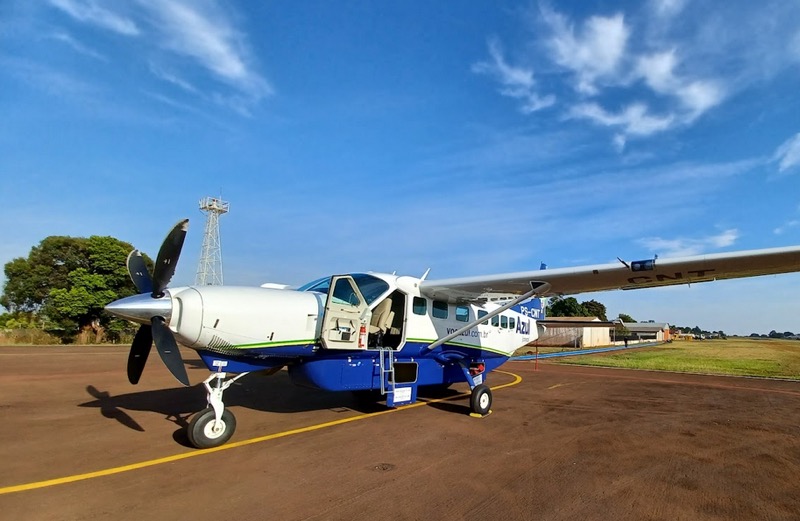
pixel 214 429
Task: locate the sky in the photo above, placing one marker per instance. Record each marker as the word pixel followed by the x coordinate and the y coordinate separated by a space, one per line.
pixel 470 138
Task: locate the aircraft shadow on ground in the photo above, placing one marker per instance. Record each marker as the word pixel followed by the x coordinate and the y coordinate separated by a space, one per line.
pixel 274 393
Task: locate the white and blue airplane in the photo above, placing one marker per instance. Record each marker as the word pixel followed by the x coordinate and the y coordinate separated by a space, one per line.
pixel 382 335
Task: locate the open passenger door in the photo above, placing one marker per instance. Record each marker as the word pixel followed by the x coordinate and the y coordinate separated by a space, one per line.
pixel 346 319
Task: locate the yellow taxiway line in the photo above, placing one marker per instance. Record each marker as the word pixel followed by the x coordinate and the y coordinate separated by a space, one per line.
pixel 233 445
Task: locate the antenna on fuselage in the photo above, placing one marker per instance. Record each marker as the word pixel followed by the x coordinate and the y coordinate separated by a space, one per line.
pixel 424 275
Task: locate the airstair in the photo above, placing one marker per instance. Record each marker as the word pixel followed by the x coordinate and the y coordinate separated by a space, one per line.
pixel 386 364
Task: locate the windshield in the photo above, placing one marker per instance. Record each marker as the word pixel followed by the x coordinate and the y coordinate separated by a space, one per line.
pixel 369 286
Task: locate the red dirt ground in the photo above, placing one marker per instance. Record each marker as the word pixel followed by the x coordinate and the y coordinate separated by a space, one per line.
pixel 565 443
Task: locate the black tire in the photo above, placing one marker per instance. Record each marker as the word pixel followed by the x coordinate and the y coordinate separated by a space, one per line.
pixel 480 401
pixel 200 430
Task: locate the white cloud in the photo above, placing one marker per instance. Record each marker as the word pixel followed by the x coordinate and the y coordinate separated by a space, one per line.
pixel 77 46
pixel 682 247
pixel 699 96
pixel 199 30
pixel 658 72
pixel 794 47
pixel 88 11
pixel 53 81
pixel 518 82
pixel 172 78
pixel 788 154
pixel 633 120
pixel 667 8
pixel 593 54
pixel 780 230
pixel 608 58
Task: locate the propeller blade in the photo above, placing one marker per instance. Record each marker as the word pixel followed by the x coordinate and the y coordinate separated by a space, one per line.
pixel 137 269
pixel 167 258
pixel 168 349
pixel 140 348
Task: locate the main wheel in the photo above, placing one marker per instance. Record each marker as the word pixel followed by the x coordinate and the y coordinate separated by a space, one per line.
pixel 481 399
pixel 203 432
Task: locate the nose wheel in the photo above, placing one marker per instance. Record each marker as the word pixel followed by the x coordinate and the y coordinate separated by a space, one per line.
pixel 214 425
pixel 205 431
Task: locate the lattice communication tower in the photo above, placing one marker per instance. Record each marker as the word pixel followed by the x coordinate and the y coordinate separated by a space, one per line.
pixel 209 271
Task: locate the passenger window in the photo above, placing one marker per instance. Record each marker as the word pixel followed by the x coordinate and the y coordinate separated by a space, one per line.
pixel 481 314
pixel 512 324
pixel 420 306
pixel 504 322
pixel 462 313
pixel 439 309
pixel 495 321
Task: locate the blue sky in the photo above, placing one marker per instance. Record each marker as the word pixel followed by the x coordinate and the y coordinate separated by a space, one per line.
pixel 470 137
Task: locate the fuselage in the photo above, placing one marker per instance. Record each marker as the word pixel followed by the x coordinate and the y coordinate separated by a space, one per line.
pixel 253 328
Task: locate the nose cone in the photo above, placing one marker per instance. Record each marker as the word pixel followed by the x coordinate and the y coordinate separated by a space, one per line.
pixel 141 308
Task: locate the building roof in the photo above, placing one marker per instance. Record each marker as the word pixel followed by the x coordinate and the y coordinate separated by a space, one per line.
pixel 646 326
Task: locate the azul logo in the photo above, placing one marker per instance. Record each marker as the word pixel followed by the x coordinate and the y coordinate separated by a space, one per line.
pixel 524 327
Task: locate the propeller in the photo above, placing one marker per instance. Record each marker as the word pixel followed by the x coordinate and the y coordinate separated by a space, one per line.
pixel 142 308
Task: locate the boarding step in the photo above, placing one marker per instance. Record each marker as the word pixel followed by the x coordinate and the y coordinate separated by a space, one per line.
pixel 398 379
pixel 386 363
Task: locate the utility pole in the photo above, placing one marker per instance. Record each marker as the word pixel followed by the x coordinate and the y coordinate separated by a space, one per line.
pixel 209 270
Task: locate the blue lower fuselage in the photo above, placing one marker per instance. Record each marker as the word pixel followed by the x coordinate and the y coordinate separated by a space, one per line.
pixel 310 366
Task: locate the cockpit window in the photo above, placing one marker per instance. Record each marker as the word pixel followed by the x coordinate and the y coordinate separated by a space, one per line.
pixel 369 286
pixel 343 293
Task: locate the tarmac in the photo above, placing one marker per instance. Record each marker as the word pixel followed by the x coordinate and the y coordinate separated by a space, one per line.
pixel 564 442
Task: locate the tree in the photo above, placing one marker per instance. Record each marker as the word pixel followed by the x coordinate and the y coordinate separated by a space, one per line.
pixel 626 318
pixel 595 309
pixel 567 307
pixel 29 281
pixel 67 281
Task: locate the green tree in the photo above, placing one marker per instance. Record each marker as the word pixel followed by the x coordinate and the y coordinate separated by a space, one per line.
pixel 595 309
pixel 626 318
pixel 567 307
pixel 67 281
pixel 29 281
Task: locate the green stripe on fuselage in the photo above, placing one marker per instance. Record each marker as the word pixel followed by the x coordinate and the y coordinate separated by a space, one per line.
pixel 283 343
pixel 459 344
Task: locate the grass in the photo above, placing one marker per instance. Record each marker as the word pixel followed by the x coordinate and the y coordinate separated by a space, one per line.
pixel 736 356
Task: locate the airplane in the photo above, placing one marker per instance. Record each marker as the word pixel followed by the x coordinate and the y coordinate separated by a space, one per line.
pixel 383 336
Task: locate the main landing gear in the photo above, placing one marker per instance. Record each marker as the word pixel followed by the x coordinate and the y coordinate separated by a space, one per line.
pixel 480 401
pixel 214 425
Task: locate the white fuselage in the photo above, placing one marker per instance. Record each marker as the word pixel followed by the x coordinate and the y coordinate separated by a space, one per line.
pixel 262 318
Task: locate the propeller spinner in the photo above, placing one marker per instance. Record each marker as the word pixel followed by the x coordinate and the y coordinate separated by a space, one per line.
pixel 153 307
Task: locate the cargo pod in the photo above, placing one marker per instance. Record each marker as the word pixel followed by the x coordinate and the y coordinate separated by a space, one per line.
pixel 347 316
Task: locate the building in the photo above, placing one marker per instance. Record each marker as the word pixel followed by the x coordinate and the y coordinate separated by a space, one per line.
pixel 649 331
pixel 587 332
pixel 576 332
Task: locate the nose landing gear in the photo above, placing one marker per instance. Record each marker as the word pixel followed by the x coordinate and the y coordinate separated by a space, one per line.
pixel 214 425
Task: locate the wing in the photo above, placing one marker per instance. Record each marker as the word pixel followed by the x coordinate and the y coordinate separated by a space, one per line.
pixel 601 277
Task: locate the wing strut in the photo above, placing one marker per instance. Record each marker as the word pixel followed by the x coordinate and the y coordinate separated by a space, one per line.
pixel 537 288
